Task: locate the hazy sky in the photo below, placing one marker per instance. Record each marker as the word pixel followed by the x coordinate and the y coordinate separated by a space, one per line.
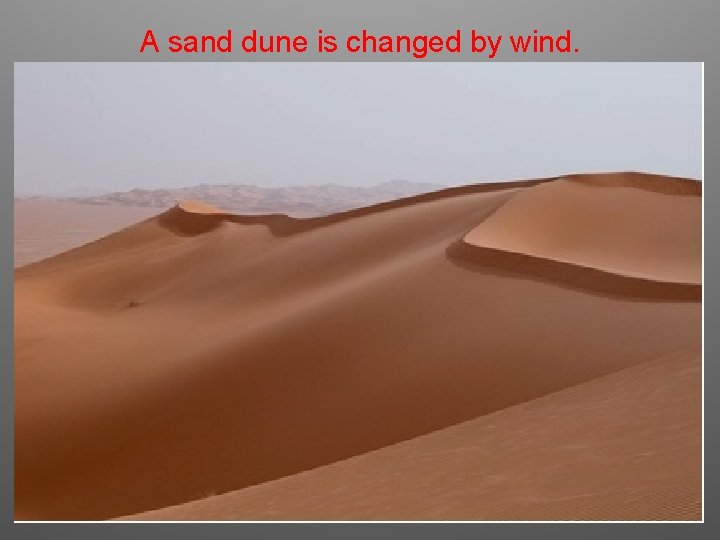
pixel 114 126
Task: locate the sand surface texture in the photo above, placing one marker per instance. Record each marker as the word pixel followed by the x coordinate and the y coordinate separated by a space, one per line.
pixel 564 456
pixel 381 363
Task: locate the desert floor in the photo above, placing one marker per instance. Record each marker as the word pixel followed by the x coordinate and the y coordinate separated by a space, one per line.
pixel 44 228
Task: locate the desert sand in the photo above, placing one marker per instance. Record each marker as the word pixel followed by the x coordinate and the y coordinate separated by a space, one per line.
pixel 473 353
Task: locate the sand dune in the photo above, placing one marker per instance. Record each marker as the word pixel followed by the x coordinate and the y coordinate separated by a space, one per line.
pixel 200 352
pixel 606 223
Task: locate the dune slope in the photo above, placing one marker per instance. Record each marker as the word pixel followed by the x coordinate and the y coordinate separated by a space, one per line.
pixel 572 455
pixel 199 353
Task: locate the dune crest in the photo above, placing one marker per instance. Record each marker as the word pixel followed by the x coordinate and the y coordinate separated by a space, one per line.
pixel 658 183
pixel 182 219
pixel 198 207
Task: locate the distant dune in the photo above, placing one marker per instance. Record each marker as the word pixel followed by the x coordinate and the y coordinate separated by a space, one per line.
pixel 523 350
pixel 307 200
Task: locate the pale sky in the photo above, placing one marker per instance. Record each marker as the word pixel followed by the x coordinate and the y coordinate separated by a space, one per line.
pixel 116 126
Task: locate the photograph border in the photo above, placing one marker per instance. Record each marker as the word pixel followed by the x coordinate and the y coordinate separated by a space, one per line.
pixel 82 30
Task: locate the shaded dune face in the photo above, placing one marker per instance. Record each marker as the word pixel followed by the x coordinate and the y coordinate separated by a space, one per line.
pixel 200 352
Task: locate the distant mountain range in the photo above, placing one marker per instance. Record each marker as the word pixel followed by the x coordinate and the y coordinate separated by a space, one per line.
pixel 299 201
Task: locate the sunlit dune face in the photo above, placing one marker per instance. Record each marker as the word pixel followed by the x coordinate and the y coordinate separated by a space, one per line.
pixel 615 225
pixel 198 207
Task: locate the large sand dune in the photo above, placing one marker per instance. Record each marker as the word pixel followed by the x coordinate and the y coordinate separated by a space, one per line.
pixel 199 352
pixel 611 223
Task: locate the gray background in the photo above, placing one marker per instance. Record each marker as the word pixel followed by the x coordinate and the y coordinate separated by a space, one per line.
pixel 614 30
